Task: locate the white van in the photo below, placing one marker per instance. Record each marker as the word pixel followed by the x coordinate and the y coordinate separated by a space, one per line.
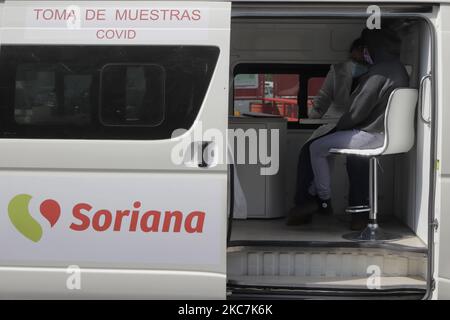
pixel 93 205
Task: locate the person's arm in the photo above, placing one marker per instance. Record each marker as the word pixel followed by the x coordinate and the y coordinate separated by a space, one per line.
pixel 363 103
pixel 324 98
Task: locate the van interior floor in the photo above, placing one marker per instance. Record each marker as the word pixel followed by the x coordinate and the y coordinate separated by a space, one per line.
pixel 322 229
pixel 268 253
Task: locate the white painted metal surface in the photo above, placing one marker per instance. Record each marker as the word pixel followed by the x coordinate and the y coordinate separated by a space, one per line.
pixel 45 167
pixel 112 175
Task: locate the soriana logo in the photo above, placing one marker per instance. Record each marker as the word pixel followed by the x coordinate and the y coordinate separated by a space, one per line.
pixel 86 217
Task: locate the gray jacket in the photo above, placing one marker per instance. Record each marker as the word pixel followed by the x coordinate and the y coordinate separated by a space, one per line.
pixel 332 99
pixel 369 100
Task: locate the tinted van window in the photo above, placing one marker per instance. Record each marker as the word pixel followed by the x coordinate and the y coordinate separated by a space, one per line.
pixel 101 92
pixel 132 95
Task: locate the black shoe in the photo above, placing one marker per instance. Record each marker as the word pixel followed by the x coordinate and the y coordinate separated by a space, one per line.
pixel 302 213
pixel 325 207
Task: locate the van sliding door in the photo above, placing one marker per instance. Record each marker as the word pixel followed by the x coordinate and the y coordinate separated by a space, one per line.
pixel 105 107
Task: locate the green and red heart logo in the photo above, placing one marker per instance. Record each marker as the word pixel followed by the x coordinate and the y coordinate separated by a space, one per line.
pixel 19 214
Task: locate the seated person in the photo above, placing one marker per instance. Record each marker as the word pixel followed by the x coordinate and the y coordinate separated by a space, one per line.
pixel 362 126
pixel 332 102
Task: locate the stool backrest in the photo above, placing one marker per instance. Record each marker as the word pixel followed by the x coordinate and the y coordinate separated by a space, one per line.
pixel 399 121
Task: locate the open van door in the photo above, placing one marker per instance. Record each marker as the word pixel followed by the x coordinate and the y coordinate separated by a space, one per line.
pixel 94 199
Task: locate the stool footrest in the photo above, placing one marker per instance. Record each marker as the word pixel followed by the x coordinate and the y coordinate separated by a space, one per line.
pixel 357 209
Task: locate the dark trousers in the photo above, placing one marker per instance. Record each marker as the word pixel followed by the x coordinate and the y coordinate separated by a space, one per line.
pixel 358 175
pixel 304 174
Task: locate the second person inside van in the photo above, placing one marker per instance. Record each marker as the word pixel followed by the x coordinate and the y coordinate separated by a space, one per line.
pixel 362 126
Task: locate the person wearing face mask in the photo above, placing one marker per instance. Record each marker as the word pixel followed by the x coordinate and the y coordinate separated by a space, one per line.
pixel 361 126
pixel 332 98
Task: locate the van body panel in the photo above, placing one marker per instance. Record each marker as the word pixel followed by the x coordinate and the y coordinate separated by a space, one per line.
pixel 50 283
pixel 100 205
pixel 121 214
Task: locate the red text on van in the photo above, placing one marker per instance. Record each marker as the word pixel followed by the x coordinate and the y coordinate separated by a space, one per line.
pixel 133 220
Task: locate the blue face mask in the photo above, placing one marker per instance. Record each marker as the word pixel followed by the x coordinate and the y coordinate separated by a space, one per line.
pixel 358 69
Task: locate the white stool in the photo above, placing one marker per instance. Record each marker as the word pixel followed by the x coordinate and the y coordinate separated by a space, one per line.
pixel 398 138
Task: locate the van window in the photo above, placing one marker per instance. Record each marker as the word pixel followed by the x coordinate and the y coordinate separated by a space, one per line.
pixel 274 94
pixel 132 95
pixel 102 92
pixel 36 96
pixel 285 90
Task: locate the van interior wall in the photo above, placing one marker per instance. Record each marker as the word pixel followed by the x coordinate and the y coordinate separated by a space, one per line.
pixel 325 41
pixel 412 169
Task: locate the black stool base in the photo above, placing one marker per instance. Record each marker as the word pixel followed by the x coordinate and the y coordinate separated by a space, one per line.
pixel 371 233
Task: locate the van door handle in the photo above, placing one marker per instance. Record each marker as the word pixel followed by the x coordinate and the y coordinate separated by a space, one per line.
pixel 204 163
pixel 199 155
pixel 421 98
